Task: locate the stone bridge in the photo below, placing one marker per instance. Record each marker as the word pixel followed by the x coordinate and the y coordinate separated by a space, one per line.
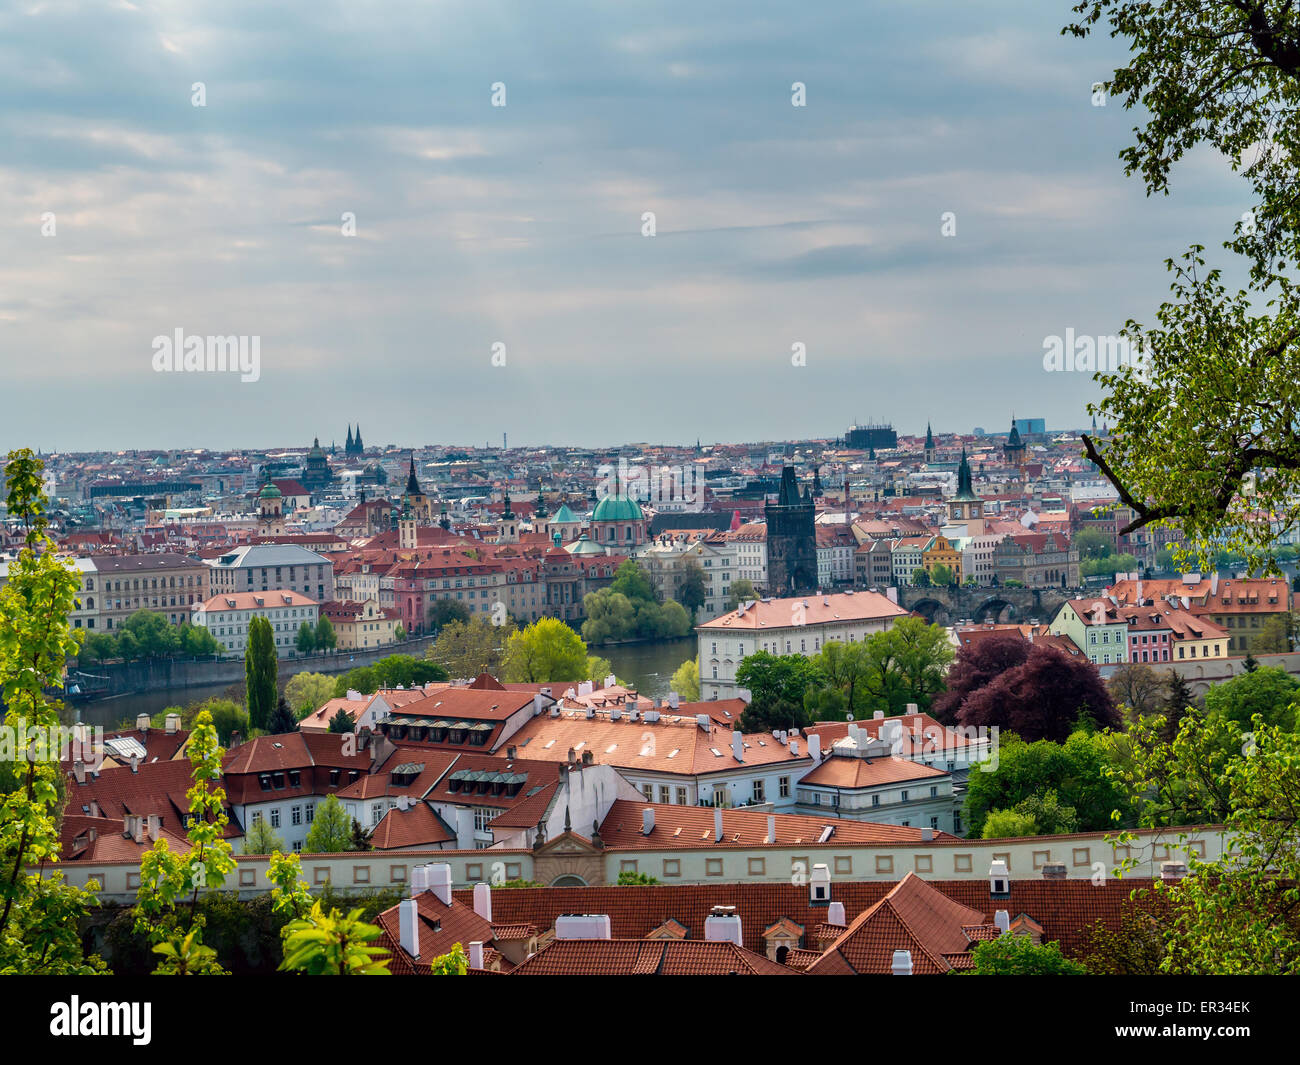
pixel 948 606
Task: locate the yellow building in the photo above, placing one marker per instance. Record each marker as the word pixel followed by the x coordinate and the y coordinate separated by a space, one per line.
pixel 362 625
pixel 941 552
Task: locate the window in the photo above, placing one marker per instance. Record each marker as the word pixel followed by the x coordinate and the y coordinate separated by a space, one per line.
pixel 783 787
pixel 760 792
pixel 275 818
pixel 757 866
pixel 295 815
pixel 672 867
pixel 663 793
pixel 311 812
pixel 681 796
pixel 713 867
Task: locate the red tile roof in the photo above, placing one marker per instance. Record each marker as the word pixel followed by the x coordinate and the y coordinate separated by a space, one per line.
pixel 657 957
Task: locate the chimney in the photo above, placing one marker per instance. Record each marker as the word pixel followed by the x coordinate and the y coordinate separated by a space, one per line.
pixel 573 756
pixel 999 880
pixel 440 881
pixel 672 700
pixel 408 919
pixel 419 880
pixel 703 721
pixel 1054 870
pixel 647 820
pixel 1173 870
pixel 1003 921
pixel 835 915
pixel 582 926
pixel 610 680
pixel 737 746
pixel 771 828
pixel 153 824
pixel 354 695
pixel 717 824
pixel 615 714
pixel 879 715
pixel 142 722
pixel 911 708
pixel 723 926
pixel 483 901
pixel 794 747
pixel 476 954
pixel 135 763
pixel 902 963
pixel 464 828
pixel 815 746
pixel 555 710
pixel 537 704
pixel 588 757
pixel 510 753
pixel 173 724
pixel 591 712
pixel 927 834
pixel 94 808
pixel 79 771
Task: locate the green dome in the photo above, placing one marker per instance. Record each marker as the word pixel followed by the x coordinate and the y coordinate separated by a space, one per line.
pixel 584 546
pixel 269 491
pixel 617 508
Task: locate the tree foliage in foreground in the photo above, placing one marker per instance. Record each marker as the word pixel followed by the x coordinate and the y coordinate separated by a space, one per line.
pixel 1205 430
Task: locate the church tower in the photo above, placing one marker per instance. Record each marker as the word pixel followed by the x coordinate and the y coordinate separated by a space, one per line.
pixel 508 525
pixel 407 537
pixel 414 496
pixel 270 509
pixel 1014 449
pixel 965 507
pixel 791 539
pixel 929 444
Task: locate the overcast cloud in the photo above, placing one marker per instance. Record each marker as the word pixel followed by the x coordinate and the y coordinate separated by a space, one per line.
pixel 522 224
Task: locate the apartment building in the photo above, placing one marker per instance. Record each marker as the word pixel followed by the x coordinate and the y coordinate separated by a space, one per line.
pixel 263 567
pixel 228 616
pixel 798 625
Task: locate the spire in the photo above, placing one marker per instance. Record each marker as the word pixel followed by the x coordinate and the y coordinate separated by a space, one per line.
pixel 444 521
pixel 347 447
pixel 965 490
pixel 929 438
pixel 506 513
pixel 412 485
pixel 540 510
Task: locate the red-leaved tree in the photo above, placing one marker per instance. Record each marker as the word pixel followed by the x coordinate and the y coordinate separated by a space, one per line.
pixel 1036 691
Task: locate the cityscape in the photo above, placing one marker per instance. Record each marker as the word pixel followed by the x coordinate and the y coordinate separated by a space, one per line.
pixel 477 537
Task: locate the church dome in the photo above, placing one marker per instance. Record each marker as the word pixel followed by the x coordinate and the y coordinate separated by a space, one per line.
pixel 269 491
pixel 617 508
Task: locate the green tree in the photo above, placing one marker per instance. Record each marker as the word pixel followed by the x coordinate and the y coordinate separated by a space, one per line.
pixel 167 878
pixel 228 718
pixel 155 636
pixel 198 642
pixel 920 577
pixel 1275 634
pixel 282 719
pixel 627 878
pixel 631 580
pixel 1139 687
pixel 777 684
pixel 694 589
pixel 260 664
pixel 1074 771
pixel 326 638
pixel 611 617
pixel 99 647
pixel 686 680
pixel 331 829
pixel 308 692
pixel 1093 544
pixel 330 944
pixel 342 722
pixel 305 641
pixel 905 663
pixel 1018 955
pixel 399 632
pixel 39 916
pixel 1008 824
pixel 1270 692
pixel 941 576
pixel 1223 462
pixel 1236 914
pixel 261 838
pixel 445 611
pixel 547 650
pixel 740 591
pixel 466 649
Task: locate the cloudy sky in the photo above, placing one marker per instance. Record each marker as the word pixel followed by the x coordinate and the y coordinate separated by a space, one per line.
pixel 522 225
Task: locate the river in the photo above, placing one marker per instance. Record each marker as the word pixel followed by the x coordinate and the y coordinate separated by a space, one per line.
pixel 648 667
